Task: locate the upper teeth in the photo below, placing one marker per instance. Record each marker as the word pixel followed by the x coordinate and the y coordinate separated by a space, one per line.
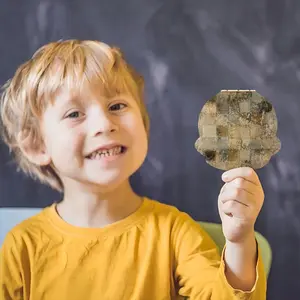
pixel 106 152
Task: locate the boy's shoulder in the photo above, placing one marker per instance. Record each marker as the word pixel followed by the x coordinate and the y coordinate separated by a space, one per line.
pixel 28 230
pixel 168 212
pixel 160 208
pixel 178 223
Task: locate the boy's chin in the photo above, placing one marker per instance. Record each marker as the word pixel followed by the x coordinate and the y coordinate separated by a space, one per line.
pixel 109 183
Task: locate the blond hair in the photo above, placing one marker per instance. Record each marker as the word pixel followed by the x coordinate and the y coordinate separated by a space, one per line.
pixel 64 63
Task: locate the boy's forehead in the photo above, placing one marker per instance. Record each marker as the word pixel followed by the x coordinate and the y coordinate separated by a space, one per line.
pixel 88 92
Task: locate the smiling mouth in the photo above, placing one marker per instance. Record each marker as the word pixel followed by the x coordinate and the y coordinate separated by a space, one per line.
pixel 115 151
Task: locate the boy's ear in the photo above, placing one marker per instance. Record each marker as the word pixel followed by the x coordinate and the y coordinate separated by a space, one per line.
pixel 35 151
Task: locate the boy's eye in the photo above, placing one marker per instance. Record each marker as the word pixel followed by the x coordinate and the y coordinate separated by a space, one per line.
pixel 73 115
pixel 117 106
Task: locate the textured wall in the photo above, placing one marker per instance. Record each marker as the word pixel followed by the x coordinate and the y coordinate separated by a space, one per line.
pixel 188 51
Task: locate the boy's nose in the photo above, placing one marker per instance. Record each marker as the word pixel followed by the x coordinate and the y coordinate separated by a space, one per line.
pixel 101 123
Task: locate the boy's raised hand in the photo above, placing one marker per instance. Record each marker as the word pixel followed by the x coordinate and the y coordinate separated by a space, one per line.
pixel 240 201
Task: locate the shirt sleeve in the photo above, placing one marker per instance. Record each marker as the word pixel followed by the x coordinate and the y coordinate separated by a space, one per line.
pixel 199 269
pixel 11 286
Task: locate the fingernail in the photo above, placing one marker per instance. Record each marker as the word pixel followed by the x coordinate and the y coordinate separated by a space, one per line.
pixel 225 176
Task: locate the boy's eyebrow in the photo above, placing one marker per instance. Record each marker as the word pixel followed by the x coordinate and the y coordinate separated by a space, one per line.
pixel 67 100
pixel 120 96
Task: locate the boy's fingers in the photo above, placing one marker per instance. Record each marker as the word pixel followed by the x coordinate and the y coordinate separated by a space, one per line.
pixel 239 195
pixel 234 208
pixel 244 172
pixel 241 183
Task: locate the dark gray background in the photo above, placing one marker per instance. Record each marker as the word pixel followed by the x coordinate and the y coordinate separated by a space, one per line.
pixel 187 51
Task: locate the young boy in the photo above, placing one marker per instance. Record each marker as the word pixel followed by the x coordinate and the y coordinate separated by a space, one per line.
pixel 74 117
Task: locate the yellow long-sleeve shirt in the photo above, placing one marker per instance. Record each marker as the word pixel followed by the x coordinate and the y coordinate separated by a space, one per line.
pixel 157 253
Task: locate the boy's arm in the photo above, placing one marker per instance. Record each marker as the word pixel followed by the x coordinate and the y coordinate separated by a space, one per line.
pixel 240 260
pixel 202 274
pixel 11 285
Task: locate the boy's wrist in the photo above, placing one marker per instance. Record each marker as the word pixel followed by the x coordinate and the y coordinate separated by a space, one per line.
pixel 246 242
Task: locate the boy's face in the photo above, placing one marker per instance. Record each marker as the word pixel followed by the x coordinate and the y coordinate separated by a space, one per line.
pixel 94 140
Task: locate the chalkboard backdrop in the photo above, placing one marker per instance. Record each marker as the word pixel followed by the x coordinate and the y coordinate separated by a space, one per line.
pixel 187 51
